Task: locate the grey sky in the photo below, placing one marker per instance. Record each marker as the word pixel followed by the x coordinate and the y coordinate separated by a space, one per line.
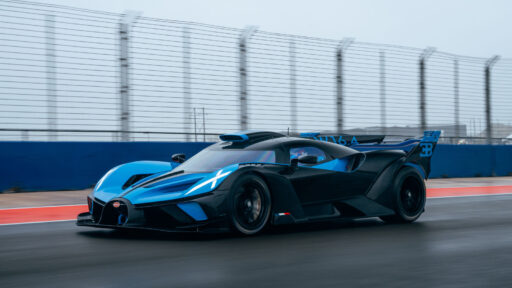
pixel 469 27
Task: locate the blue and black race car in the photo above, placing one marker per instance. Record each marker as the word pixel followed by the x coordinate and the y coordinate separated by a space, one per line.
pixel 251 180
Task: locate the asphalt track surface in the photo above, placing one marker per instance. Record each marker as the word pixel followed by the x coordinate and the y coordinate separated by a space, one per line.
pixel 458 242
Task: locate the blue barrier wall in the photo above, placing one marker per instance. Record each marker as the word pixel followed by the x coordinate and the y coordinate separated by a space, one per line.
pixel 471 161
pixel 76 165
pixel 79 165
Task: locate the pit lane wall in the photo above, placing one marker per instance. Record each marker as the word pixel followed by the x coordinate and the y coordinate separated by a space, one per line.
pixel 37 166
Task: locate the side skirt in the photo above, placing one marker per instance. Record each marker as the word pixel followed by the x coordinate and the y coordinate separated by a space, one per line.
pixel 352 208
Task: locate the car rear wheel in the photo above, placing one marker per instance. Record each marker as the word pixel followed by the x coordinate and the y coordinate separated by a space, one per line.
pixel 250 205
pixel 409 197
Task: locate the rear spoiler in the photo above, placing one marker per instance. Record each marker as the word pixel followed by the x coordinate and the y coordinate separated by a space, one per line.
pixel 374 142
pixel 344 139
pixel 419 151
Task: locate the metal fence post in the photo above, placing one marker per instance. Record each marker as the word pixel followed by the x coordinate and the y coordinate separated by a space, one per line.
pixel 423 109
pixel 195 125
pixel 186 83
pixel 51 89
pixel 488 119
pixel 456 100
pixel 293 88
pixel 342 46
pixel 242 44
pixel 127 20
pixel 383 92
pixel 204 127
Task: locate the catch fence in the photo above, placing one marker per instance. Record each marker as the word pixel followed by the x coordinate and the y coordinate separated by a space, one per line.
pixel 69 74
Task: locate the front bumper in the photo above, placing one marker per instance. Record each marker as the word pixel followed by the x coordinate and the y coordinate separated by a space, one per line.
pixel 85 219
pixel 156 216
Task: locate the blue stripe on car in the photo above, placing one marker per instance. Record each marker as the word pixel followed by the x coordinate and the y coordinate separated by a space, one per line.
pixel 194 210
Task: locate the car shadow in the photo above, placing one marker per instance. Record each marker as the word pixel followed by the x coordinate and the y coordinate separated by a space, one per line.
pixel 153 235
pixel 335 226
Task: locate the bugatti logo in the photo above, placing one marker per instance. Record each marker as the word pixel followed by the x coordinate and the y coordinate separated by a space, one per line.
pixel 116 204
pixel 426 149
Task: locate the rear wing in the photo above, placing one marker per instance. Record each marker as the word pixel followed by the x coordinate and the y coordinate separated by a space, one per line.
pixel 344 139
pixel 375 142
pixel 418 151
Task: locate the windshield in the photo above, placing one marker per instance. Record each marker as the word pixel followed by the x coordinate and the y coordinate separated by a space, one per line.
pixel 211 160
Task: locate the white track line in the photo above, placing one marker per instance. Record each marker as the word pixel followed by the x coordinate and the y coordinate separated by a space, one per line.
pixel 477 195
pixel 39 222
pixel 54 206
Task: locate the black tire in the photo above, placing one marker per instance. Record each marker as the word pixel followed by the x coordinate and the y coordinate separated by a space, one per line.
pixel 409 197
pixel 249 205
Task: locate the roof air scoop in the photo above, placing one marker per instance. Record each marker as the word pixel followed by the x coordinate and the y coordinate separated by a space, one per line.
pixel 252 136
pixel 234 137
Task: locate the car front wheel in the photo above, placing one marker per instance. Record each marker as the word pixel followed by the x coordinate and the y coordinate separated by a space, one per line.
pixel 250 205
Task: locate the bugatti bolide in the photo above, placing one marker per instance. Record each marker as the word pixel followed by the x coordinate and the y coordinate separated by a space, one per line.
pixel 250 180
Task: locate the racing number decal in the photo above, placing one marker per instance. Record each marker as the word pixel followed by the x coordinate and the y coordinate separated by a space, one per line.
pixel 426 149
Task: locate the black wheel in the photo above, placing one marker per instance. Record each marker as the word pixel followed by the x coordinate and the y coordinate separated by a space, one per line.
pixel 409 195
pixel 250 204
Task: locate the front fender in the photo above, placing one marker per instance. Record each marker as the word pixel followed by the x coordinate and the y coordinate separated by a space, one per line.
pixel 284 198
pixel 111 184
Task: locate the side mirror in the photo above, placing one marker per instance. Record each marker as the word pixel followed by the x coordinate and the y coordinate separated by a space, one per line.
pixel 304 159
pixel 294 163
pixel 180 157
pixel 308 159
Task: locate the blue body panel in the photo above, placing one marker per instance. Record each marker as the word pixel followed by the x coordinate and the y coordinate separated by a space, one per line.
pixel 175 187
pixel 339 165
pixel 110 185
pixel 164 191
pixel 194 210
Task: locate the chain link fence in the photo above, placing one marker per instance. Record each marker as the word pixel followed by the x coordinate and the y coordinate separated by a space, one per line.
pixel 69 74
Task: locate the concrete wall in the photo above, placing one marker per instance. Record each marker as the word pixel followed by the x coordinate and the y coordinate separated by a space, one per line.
pixel 79 165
